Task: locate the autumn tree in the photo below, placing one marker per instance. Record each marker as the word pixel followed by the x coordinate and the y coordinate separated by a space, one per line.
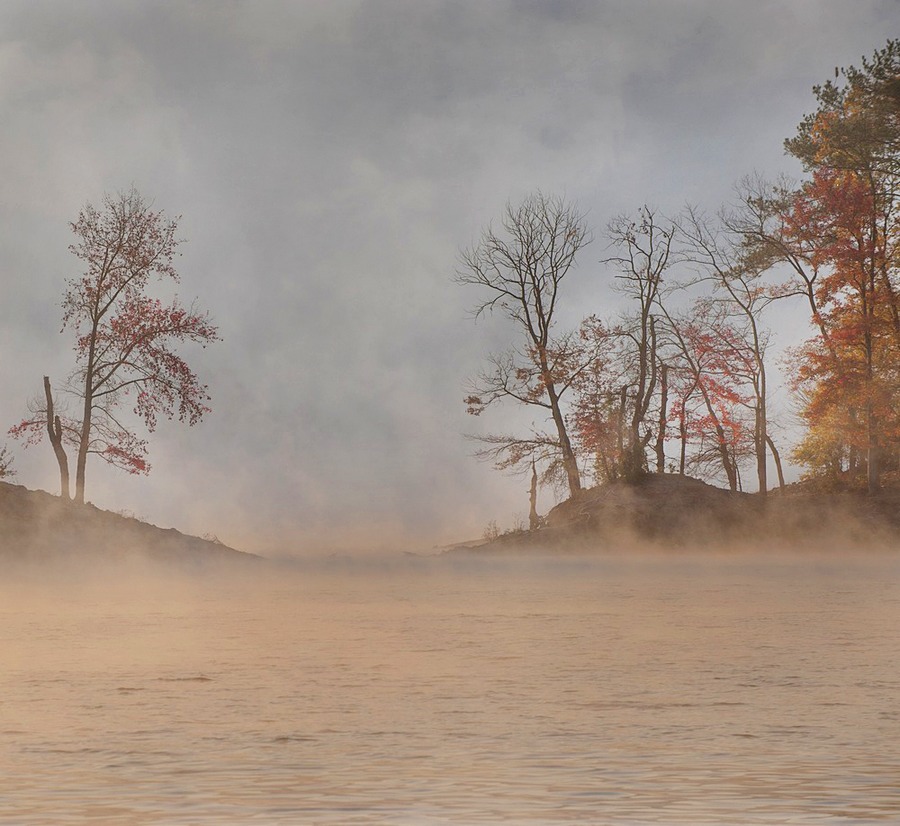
pixel 708 397
pixel 519 269
pixel 722 260
pixel 124 339
pixel 847 214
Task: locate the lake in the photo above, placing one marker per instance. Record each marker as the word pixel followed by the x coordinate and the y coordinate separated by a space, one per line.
pixel 464 690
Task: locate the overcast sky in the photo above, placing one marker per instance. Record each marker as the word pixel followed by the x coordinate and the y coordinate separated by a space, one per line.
pixel 329 159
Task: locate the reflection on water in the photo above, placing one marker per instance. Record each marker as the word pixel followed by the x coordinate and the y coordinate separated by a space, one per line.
pixel 647 691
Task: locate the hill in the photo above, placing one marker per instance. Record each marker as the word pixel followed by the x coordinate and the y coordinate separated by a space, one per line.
pixel 38 527
pixel 668 511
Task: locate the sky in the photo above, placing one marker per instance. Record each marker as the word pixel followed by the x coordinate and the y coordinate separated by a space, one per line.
pixel 329 159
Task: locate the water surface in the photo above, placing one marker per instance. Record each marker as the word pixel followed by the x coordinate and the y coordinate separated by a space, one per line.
pixel 680 691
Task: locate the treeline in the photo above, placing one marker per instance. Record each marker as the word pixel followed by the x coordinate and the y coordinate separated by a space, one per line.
pixel 686 367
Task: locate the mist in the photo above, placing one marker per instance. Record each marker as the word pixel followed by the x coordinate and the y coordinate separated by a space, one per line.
pixel 697 688
pixel 329 163
pixel 296 616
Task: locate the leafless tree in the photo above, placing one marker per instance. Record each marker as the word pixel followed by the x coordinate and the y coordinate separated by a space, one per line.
pixel 644 251
pixel 55 432
pixel 523 455
pixel 45 415
pixel 519 268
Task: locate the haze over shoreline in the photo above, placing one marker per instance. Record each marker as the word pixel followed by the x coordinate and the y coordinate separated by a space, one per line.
pixel 659 515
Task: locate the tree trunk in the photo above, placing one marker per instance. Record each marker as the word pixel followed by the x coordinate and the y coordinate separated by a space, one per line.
pixel 54 429
pixel 81 463
pixel 724 454
pixel 533 518
pixel 663 410
pixel 84 442
pixel 761 432
pixel 777 457
pixel 635 458
pixel 568 455
pixel 873 457
pixel 853 453
pixel 727 464
pixel 873 471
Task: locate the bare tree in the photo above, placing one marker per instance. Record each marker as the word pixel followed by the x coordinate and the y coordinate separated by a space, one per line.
pixel 521 455
pixel 44 416
pixel 519 268
pixel 55 432
pixel 644 252
pixel 534 520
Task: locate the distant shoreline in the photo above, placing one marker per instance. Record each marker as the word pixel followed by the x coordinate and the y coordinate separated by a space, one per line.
pixel 662 513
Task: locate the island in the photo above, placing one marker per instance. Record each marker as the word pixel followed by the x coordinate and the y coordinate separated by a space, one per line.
pixel 674 512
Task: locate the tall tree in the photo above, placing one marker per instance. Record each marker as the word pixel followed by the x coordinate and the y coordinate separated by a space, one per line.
pixel 717 249
pixel 124 337
pixel 520 268
pixel 644 252
pixel 857 370
pixel 848 213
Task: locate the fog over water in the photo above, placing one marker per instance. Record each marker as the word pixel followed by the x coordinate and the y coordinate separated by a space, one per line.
pixel 329 160
pixel 688 690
